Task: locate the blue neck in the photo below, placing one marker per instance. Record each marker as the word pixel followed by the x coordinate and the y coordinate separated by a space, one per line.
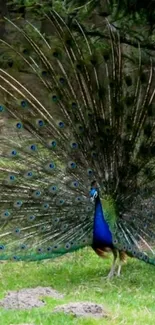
pixel 102 234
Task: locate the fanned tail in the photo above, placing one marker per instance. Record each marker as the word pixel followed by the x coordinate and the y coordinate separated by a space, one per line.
pixel 74 112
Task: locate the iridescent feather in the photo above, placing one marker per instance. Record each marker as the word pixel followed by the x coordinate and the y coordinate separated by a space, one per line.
pixel 80 113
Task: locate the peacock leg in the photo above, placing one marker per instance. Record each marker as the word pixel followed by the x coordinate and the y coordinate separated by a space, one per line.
pixel 112 271
pixel 122 259
pixel 119 268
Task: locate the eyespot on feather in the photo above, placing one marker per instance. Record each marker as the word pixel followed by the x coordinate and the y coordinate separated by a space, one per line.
pixel 10 180
pixel 19 125
pixel 72 165
pixel 16 231
pixel 40 123
pixel 17 204
pixel 67 246
pixel 2 109
pixel 32 148
pixel 56 53
pixel 49 249
pixel 52 144
pixel 43 73
pixel 23 103
pixel 45 206
pixel 23 247
pixel 74 184
pixel 73 105
pixel 60 202
pixel 74 145
pixel 55 247
pixel 56 220
pixel 90 172
pixel 78 199
pixel 29 174
pixel 60 124
pixel 89 208
pixel 55 97
pixel 5 214
pixel 37 194
pixel 31 218
pixel 50 167
pixel 80 128
pixel 53 189
pixel 61 80
pixel 40 250
pixel 13 153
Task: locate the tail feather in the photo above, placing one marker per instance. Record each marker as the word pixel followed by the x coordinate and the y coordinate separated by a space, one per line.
pixel 74 112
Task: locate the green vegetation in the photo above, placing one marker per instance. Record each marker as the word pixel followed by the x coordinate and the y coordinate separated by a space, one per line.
pixel 81 277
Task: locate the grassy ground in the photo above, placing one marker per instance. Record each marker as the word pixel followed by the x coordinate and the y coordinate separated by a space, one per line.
pixel 129 299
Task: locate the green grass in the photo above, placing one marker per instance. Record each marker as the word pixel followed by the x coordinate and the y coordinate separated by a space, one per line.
pixel 129 299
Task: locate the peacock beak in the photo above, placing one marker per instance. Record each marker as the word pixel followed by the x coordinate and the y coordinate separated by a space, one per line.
pixel 92 200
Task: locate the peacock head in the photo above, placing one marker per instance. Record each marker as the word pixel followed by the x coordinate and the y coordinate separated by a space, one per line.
pixel 94 192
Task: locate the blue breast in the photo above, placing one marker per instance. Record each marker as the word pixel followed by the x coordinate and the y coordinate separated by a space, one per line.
pixel 101 233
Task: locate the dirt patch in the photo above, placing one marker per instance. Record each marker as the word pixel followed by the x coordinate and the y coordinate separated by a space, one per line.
pixel 28 298
pixel 83 309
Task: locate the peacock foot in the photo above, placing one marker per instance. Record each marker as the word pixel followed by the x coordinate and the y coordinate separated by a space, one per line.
pixel 111 274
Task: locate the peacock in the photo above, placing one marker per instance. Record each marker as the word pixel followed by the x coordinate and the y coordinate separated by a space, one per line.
pixel 77 145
